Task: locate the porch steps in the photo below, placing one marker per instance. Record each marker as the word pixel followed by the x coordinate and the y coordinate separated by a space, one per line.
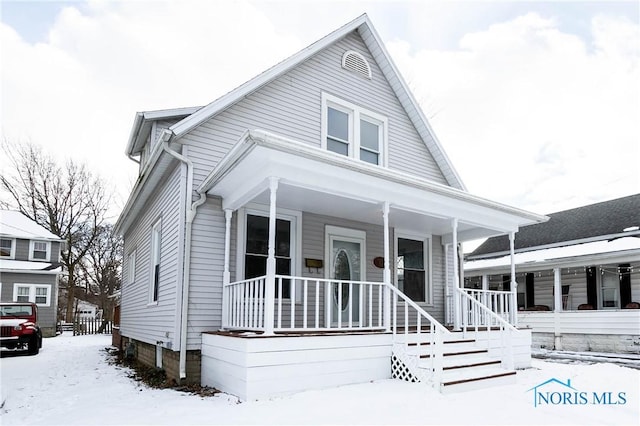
pixel 466 365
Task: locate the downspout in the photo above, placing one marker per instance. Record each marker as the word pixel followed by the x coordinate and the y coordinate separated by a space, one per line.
pixel 186 267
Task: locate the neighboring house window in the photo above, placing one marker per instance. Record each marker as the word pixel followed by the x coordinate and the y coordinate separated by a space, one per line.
pixel 412 268
pixel 352 131
pixel 7 247
pixel 257 245
pixel 39 250
pixel 131 267
pixel 35 293
pixel 610 291
pixel 155 261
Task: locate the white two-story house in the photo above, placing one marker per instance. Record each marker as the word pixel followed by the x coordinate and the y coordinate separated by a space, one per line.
pixel 302 231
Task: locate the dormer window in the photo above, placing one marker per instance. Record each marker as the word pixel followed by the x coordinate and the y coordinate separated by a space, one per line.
pixel 40 250
pixel 353 131
pixel 7 247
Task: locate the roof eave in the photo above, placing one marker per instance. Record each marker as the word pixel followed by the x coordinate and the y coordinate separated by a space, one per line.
pixel 206 112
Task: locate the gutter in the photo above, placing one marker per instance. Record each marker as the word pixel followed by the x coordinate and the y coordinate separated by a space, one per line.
pixel 186 266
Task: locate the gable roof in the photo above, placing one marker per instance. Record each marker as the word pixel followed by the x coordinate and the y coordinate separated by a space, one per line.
pixel 143 122
pixel 16 225
pixel 363 25
pixel 604 220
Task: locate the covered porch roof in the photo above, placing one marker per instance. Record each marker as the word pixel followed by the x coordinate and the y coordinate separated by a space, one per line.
pixel 315 180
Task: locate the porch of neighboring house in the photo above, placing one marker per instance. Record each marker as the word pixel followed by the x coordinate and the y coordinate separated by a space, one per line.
pixel 284 332
pixel 590 307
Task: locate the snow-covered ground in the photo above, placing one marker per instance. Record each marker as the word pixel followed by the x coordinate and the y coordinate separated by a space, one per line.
pixel 70 382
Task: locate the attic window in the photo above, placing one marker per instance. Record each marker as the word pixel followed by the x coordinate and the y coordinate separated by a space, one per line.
pixel 355 62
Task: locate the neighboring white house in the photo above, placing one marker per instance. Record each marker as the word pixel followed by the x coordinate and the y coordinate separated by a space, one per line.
pixel 29 266
pixel 85 310
pixel 578 276
pixel 301 232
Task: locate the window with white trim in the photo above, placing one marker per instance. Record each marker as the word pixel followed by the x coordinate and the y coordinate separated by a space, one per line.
pixel 39 250
pixel 155 261
pixel 131 267
pixel 39 294
pixel 7 247
pixel 256 248
pixel 353 131
pixel 413 275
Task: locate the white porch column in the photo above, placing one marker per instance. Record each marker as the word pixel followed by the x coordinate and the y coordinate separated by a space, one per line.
pixel 485 282
pixel 485 287
pixel 557 307
pixel 387 267
pixel 270 285
pixel 514 283
pixel 457 314
pixel 226 275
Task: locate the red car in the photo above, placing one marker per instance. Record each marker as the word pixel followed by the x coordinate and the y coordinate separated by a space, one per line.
pixel 19 326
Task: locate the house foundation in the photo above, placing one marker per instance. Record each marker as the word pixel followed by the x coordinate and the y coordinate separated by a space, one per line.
pixel 147 354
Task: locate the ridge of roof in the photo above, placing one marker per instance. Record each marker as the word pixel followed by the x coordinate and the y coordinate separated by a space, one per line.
pixel 374 43
pixel 601 220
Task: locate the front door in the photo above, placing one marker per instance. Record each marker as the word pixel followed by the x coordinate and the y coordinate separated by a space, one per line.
pixel 346 254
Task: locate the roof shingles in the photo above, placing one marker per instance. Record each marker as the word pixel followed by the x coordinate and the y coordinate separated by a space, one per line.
pixel 594 220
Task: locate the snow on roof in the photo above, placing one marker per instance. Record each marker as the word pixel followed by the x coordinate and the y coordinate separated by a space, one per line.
pixel 26 266
pixel 557 253
pixel 15 224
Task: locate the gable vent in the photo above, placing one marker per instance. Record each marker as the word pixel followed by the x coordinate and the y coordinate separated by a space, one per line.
pixel 355 62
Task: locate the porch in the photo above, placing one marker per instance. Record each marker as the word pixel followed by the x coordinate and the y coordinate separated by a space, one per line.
pixel 378 333
pixel 373 234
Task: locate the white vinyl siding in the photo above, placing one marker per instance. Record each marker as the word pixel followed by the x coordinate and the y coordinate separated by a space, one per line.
pixel 139 319
pixel 290 106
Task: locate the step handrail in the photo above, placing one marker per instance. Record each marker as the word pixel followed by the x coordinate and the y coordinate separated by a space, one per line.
pixel 486 310
pixel 435 337
pixel 505 330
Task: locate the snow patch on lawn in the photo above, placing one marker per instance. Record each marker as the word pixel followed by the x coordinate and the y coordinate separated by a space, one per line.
pixel 70 382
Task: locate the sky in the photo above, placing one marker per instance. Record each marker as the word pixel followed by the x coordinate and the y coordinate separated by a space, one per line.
pixel 537 104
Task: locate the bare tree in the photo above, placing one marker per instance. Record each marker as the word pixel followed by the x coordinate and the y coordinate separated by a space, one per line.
pixel 101 268
pixel 67 200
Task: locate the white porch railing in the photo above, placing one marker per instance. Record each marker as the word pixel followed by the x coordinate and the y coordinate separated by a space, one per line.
pixel 500 302
pixel 477 316
pixel 417 336
pixel 304 308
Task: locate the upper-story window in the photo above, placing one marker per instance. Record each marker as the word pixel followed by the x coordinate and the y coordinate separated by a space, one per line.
pixel 39 250
pixel 7 247
pixel 353 131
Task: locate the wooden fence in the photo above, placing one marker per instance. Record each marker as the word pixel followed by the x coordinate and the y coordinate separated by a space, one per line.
pixel 91 326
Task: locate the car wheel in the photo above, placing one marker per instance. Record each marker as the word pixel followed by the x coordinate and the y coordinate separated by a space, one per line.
pixel 34 346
